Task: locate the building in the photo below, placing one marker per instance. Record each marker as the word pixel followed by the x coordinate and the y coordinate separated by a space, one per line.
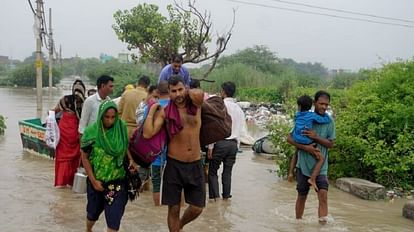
pixel 123 58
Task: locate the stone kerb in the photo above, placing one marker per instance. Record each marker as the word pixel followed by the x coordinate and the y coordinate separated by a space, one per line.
pixel 361 188
pixel 408 210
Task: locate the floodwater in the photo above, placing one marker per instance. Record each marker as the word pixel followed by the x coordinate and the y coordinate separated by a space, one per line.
pixel 261 201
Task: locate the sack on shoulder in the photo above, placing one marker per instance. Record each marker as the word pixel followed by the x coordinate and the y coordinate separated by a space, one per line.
pixel 145 151
pixel 215 121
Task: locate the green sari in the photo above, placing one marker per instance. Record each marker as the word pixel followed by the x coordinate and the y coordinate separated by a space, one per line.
pixel 109 145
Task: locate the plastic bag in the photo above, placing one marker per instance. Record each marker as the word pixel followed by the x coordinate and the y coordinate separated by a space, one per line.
pixel 52 131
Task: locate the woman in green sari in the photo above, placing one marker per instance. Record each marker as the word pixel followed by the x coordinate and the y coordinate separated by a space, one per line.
pixel 104 146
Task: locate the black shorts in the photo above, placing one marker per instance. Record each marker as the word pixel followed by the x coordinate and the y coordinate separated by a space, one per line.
pixel 113 212
pixel 303 186
pixel 181 175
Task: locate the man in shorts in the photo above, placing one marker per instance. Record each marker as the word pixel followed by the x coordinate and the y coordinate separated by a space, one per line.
pixel 323 135
pixel 183 170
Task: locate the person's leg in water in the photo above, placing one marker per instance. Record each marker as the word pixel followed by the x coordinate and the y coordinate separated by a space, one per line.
pixel 315 172
pixel 156 184
pixel 300 205
pixel 302 188
pixel 191 213
pixel 174 218
pixel 323 206
pixel 292 166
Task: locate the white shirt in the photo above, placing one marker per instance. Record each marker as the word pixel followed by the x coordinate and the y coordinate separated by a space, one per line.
pixel 237 118
pixel 90 110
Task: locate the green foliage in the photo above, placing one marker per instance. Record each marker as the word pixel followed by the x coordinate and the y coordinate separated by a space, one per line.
pixel 258 57
pixel 144 28
pixel 261 76
pixel 306 69
pixel 123 74
pixel 259 95
pixel 346 80
pixel 2 125
pixel 32 58
pixel 78 66
pixel 25 75
pixel 375 128
pixel 278 134
pixel 241 75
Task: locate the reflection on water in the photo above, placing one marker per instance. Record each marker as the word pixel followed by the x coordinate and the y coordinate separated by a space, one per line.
pixel 261 201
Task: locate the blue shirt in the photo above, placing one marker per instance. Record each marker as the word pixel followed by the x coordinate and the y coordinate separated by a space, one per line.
pixel 163 155
pixel 168 71
pixel 304 121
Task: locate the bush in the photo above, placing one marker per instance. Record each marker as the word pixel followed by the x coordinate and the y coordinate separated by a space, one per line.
pixel 25 76
pixel 278 131
pixel 2 125
pixel 375 128
pixel 259 95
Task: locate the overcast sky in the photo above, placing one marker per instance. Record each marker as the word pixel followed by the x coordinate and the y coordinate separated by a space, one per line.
pixel 83 27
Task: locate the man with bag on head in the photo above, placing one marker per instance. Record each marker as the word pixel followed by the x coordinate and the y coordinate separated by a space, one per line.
pixel 183 171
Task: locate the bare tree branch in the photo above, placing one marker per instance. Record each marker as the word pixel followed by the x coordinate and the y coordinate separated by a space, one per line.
pixel 195 50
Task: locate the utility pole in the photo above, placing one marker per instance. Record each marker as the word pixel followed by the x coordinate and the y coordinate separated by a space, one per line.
pixel 39 62
pixel 51 47
pixel 60 57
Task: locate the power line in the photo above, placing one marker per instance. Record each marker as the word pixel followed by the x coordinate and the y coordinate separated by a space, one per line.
pixel 31 7
pixel 343 11
pixel 322 14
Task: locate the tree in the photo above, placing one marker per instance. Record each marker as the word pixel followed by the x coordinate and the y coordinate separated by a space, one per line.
pixel 259 57
pixel 25 75
pixel 31 59
pixel 78 66
pixel 186 31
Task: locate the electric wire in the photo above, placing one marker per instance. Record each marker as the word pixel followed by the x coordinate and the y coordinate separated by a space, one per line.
pixel 322 14
pixel 343 11
pixel 31 7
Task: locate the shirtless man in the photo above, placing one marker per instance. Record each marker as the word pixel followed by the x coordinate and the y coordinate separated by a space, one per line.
pixel 184 170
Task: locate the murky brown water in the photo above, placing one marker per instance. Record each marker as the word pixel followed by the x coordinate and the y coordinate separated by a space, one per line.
pixel 261 202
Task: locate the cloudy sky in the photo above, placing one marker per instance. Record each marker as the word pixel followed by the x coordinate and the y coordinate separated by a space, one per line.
pixel 83 27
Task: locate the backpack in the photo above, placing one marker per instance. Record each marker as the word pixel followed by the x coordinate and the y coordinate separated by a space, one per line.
pixel 215 121
pixel 145 151
pixel 258 145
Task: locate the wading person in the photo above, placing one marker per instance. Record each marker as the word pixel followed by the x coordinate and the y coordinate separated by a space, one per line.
pixel 130 101
pixel 175 68
pixel 183 170
pixel 304 120
pixel 225 151
pixel 323 135
pixel 156 166
pixel 91 105
pixel 68 149
pixel 104 147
